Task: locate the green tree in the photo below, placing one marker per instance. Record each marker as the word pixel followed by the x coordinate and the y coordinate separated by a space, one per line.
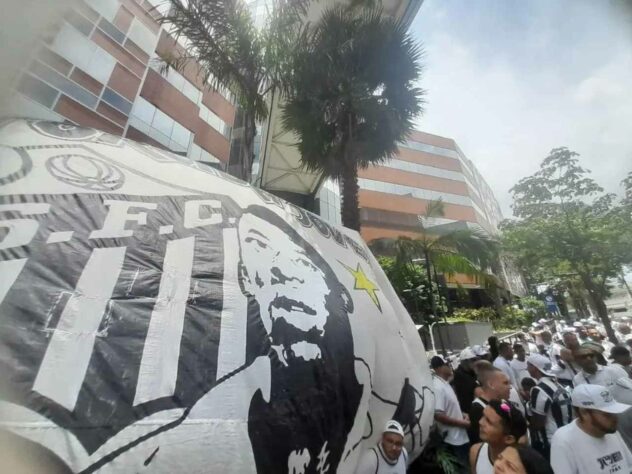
pixel 463 251
pixel 352 96
pixel 568 226
pixel 411 285
pixel 232 53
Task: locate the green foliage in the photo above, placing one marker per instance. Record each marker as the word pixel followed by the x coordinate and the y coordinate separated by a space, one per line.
pixel 352 96
pixel 233 53
pixel 512 318
pixel 411 285
pixel 569 229
pixel 533 306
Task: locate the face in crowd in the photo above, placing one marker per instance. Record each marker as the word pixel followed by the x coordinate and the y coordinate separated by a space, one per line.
pixel 505 350
pixel 392 444
pixel 492 429
pixel 499 384
pixel 587 359
pixel 606 423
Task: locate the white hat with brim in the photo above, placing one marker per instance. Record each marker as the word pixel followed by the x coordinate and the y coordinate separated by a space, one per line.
pixel 467 354
pixel 543 364
pixel 479 350
pixel 393 426
pixel 596 397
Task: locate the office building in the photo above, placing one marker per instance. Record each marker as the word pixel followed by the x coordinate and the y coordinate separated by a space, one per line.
pixel 101 67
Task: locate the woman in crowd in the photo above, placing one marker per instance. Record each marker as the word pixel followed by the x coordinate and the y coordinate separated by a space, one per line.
pixel 501 426
pixel 521 460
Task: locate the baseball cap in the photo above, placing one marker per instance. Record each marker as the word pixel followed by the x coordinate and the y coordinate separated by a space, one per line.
pixel 618 351
pixel 437 361
pixel 479 350
pixel 393 426
pixel 543 364
pixel 467 354
pixel 596 397
pixel 593 346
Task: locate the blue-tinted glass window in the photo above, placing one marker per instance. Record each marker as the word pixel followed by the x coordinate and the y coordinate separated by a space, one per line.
pixel 117 101
pixel 112 31
pixel 37 90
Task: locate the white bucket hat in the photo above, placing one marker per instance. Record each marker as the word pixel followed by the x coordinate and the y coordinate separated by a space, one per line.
pixel 543 364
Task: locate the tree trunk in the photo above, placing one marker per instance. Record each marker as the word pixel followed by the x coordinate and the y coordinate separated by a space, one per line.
pixel 350 211
pixel 247 150
pixel 625 283
pixel 433 303
pixel 598 303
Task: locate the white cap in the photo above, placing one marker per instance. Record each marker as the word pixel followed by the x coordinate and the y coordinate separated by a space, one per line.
pixel 393 426
pixel 467 354
pixel 577 324
pixel 479 350
pixel 621 390
pixel 543 364
pixel 596 397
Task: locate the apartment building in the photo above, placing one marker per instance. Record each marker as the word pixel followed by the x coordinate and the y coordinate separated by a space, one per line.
pixel 101 67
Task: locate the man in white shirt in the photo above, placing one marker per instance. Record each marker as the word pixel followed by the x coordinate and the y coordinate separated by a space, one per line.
pixel 502 362
pixel 620 356
pixel 389 456
pixel 591 372
pixel 451 422
pixel 519 364
pixel 550 404
pixel 591 444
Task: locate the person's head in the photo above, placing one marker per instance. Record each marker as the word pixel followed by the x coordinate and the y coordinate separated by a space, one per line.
pixel 505 351
pixel 441 368
pixel 520 351
pixel 526 384
pixel 586 358
pixel 495 384
pixel 566 355
pixel 570 340
pixel 467 358
pixel 502 424
pixel 539 366
pixel 393 440
pixel 521 460
pixel 546 337
pixel 621 355
pixel 298 295
pixel 624 329
pixel 596 409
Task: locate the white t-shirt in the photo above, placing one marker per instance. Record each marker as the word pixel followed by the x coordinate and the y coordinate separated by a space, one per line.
pixel 447 403
pixel 520 370
pixel 605 376
pixel 503 364
pixel 541 404
pixel 374 461
pixel 575 452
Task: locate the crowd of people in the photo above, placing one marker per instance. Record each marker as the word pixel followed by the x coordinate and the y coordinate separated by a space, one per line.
pixel 554 401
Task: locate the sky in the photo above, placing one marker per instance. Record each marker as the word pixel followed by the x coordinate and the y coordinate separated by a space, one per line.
pixel 509 80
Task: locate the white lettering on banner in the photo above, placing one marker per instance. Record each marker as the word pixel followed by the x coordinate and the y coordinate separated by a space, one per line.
pixel 21 231
pixel 118 216
pixel 232 334
pixel 192 213
pixel 159 366
pixel 9 271
pixel 70 349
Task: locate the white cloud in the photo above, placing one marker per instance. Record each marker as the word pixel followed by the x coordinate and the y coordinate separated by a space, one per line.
pixel 507 101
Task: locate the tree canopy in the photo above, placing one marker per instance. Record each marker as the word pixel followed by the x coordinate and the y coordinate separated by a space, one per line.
pixel 568 228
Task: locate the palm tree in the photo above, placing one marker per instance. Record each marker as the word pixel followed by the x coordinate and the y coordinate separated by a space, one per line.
pixel 221 37
pixel 351 97
pixel 464 251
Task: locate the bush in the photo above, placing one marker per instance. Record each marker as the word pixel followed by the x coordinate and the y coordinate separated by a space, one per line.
pixel 513 318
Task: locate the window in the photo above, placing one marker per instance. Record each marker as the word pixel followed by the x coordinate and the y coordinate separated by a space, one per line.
pixel 162 128
pixel 107 8
pixel 37 90
pixel 63 84
pixel 214 121
pixel 112 31
pixel 430 149
pixel 419 193
pixel 142 36
pixel 163 123
pixel 117 101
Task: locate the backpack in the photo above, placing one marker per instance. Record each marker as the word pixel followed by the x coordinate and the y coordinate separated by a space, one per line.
pixel 559 400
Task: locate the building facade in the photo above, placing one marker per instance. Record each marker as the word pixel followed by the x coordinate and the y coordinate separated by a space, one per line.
pixel 101 67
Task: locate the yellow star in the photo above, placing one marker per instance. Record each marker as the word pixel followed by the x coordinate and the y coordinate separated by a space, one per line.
pixel 363 283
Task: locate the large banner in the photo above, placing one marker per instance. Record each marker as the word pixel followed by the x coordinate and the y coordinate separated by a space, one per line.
pixel 157 315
